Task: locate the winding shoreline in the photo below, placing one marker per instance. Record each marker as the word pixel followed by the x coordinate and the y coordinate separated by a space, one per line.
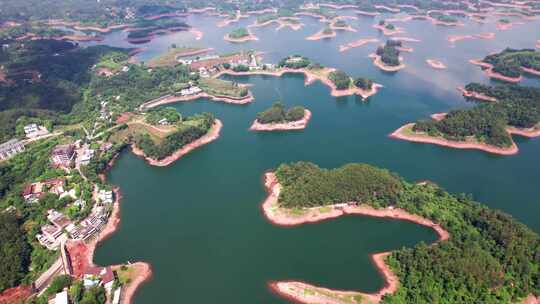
pixel 86 252
pixel 249 37
pixel 321 35
pixel 210 136
pixel 285 126
pixel 302 292
pixel 311 77
pixel 423 138
pixel 172 99
pixel 357 43
pixel 491 74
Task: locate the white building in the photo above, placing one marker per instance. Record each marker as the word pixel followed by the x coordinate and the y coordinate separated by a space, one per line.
pixel 61 298
pixel 105 196
pixel 87 155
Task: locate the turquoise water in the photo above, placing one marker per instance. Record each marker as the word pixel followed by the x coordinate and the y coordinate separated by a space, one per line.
pixel 198 222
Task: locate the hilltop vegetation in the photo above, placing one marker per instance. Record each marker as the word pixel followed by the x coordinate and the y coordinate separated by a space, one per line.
pixel 45 78
pixel 277 114
pixel 487 122
pixel 489 258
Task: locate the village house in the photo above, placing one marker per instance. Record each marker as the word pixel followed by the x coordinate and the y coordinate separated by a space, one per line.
pixel 87 155
pixel 11 148
pixel 62 156
pixel 99 275
pixel 105 197
pixel 33 192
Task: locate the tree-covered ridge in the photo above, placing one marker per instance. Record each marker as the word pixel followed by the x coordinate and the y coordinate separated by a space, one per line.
pixel 389 53
pixel 190 129
pixel 145 28
pixel 487 122
pixel 489 258
pixel 278 114
pixel 295 62
pixel 510 61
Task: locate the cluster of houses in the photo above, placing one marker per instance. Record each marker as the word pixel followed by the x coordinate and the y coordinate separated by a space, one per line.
pixel 11 148
pixel 35 191
pixel 53 234
pixel 61 228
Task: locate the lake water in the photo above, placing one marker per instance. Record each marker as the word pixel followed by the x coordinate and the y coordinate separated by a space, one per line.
pixel 198 222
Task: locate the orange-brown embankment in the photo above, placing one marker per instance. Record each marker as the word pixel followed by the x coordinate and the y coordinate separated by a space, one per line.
pixel 476 95
pixel 406 133
pixel 357 43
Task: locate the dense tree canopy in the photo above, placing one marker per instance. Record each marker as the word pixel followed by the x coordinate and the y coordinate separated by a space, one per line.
pixel 277 113
pixel 14 252
pixel 341 80
pixel 389 54
pixel 517 106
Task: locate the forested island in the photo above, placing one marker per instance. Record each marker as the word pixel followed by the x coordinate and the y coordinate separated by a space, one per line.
pixel 240 35
pixel 475 260
pixel 278 118
pixel 487 126
pixel 387 56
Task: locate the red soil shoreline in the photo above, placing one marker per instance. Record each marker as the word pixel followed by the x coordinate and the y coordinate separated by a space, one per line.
pixel 491 74
pixel 172 99
pixel 476 95
pixel 210 136
pixel 321 35
pixel 398 134
pixel 310 78
pixel 357 43
pixel 294 290
pixel 455 38
pixel 286 126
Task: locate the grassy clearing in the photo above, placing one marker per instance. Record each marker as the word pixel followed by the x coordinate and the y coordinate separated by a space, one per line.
pixel 220 87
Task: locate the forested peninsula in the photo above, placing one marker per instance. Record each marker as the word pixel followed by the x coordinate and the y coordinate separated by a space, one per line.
pixel 487 256
pixel 488 126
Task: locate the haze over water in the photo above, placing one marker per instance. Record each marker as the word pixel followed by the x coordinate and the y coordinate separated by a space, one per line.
pixel 198 222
